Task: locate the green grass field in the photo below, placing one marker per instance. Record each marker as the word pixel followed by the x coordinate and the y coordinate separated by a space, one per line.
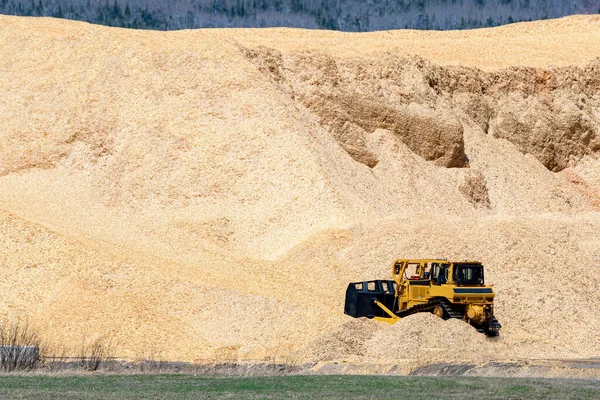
pixel 294 387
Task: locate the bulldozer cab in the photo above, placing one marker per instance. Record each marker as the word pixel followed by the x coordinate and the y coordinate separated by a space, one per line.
pixel 439 273
pixel 436 271
pixel 468 274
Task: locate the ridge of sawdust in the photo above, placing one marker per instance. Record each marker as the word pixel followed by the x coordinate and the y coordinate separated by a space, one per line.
pixel 549 113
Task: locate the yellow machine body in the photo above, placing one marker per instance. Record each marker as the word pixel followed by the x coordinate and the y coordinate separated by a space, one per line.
pixel 449 289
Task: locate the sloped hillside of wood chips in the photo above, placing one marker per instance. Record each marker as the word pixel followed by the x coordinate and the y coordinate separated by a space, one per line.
pixel 207 195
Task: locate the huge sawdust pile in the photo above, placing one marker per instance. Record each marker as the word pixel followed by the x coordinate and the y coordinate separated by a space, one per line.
pixel 207 195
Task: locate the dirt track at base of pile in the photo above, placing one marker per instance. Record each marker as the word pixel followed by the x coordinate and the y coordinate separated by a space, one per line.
pixel 206 196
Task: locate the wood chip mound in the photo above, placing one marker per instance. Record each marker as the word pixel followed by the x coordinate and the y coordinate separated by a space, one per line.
pixel 207 195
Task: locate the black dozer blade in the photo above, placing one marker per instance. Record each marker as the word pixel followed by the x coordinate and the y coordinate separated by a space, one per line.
pixel 361 296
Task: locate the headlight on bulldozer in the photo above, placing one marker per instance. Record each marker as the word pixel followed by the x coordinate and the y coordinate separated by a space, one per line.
pixel 475 313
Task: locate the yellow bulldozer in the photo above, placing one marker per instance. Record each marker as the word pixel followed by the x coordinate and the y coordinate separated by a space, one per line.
pixel 448 289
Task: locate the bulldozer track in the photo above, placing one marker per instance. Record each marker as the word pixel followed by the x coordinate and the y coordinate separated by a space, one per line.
pixel 451 311
pixel 428 307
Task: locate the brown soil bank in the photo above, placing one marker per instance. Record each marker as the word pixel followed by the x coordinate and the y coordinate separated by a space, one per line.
pixel 550 113
pixel 207 195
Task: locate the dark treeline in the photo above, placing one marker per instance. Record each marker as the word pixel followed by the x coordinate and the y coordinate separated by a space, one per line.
pixel 346 15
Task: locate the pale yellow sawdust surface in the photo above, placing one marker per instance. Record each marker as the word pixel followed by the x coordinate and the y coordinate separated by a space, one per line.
pixel 158 189
pixel 566 41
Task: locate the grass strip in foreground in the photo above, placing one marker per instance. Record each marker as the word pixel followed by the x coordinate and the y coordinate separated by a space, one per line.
pixel 291 387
